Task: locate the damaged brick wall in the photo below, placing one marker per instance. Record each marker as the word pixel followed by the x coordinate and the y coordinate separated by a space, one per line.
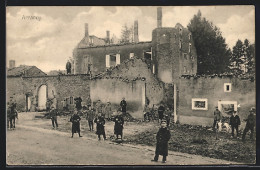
pixel 242 91
pixel 169 47
pixel 100 52
pixel 136 67
pixel 15 88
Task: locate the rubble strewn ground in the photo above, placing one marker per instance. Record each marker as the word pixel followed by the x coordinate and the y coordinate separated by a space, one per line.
pixel 201 141
pixel 185 138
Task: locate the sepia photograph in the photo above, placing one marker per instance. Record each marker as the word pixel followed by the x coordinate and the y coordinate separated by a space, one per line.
pixel 130 85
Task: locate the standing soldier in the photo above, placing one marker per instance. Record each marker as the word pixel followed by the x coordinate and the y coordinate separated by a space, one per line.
pixel 146 113
pixel 161 110
pixel 98 107
pixel 119 125
pixel 75 119
pixel 250 124
pixel 100 121
pixel 217 117
pixel 108 111
pixel 68 67
pixel 13 115
pixel 53 115
pixel 234 123
pixel 90 117
pixel 78 101
pixel 162 137
pixel 123 106
pixel 168 116
pixel 48 105
pixel 8 116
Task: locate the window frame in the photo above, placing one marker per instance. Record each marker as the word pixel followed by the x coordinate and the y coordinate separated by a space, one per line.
pixel 225 87
pixel 193 100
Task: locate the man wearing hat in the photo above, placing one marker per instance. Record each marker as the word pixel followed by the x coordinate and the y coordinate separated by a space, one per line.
pixel 250 124
pixel 217 117
pixel 162 137
pixel 123 106
pixel 53 115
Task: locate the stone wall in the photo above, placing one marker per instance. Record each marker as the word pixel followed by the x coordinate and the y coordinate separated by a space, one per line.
pixel 212 89
pixel 137 68
pixel 99 54
pixel 62 87
pixel 66 86
pixel 113 90
pixel 171 54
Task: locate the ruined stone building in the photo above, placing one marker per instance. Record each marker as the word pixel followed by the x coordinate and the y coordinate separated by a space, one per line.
pixel 161 70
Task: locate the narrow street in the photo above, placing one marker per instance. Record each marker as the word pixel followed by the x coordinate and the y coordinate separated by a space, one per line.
pixel 30 145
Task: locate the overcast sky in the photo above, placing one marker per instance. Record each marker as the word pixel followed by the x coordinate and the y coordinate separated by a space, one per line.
pixel 48 43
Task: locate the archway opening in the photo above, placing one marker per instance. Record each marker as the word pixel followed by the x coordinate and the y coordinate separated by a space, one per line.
pixel 42 97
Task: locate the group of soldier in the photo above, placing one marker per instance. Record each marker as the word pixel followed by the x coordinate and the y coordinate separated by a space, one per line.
pixel 234 122
pixel 93 115
pixel 99 115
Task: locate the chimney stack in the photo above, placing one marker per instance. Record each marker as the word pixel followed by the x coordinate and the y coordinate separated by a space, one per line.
pixel 86 34
pixel 108 37
pixel 136 38
pixel 11 63
pixel 159 17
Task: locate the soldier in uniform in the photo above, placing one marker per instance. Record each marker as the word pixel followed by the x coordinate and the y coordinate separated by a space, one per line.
pixel 217 117
pixel 8 117
pixel 100 121
pixel 161 110
pixel 123 106
pixel 90 117
pixel 108 111
pixel 53 115
pixel 119 125
pixel 162 137
pixel 78 101
pixel 167 116
pixel 250 124
pixel 75 119
pixel 13 115
pixel 234 123
pixel 68 67
pixel 48 105
pixel 98 107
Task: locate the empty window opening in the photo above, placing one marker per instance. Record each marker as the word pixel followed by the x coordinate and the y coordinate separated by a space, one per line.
pixel 227 87
pixel 189 47
pixel 112 60
pixel 131 55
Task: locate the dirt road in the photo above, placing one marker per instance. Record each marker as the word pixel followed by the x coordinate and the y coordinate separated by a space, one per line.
pixel 30 145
